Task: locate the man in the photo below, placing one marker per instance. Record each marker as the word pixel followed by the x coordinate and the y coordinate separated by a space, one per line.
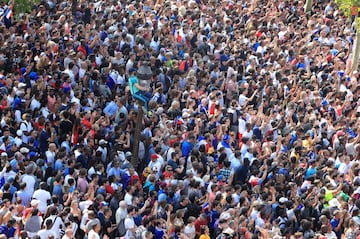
pixel 155 163
pixel 29 178
pixel 122 111
pixel 187 146
pixel 337 221
pixel 25 197
pixel 103 149
pixel 18 139
pixel 129 223
pixel 26 128
pixel 45 137
pixel 101 213
pixel 9 229
pixel 43 196
pixel 129 195
pixel 141 93
pixel 46 232
pixel 121 212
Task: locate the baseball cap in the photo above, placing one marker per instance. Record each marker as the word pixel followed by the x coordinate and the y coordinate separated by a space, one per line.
pixel 34 202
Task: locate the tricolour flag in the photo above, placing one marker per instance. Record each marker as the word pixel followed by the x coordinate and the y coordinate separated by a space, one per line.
pixel 9 13
pixel 7 17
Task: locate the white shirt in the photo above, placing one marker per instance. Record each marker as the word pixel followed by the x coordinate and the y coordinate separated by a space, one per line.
pixel 42 196
pixel 350 148
pixel 50 156
pixel 103 151
pixel 189 231
pixel 128 199
pixel 120 214
pixel 129 224
pixel 30 183
pixel 93 235
pixel 18 142
pixel 57 222
pixel 242 100
pixel 44 234
pixel 26 127
pixel 35 104
pixel 344 168
pixel 235 162
pixel 77 101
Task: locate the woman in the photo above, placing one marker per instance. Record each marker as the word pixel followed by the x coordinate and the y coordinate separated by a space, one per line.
pixel 75 211
pixel 351 230
pixel 204 232
pixel 33 223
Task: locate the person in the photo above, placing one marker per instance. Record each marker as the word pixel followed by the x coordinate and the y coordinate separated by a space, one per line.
pixel 8 229
pixel 46 231
pixel 95 229
pixel 251 108
pixel 140 92
pixel 204 233
pixel 43 196
pixel 33 223
pixel 129 222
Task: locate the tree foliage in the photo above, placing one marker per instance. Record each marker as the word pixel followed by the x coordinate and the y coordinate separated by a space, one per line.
pixel 23 6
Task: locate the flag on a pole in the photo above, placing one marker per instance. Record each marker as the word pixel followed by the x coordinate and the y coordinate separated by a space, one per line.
pixel 9 13
pixel 7 17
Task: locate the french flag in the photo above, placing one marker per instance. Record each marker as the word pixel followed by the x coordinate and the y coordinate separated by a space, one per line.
pixel 7 17
pixel 9 13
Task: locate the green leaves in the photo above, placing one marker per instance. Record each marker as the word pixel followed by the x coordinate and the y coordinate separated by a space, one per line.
pixel 24 6
pixel 346 6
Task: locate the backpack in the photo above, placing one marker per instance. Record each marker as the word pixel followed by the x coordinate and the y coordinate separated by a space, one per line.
pixel 121 228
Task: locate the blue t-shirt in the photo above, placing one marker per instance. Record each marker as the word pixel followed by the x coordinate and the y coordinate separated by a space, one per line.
pixel 8 232
pixel 334 223
pixel 159 234
pixel 186 148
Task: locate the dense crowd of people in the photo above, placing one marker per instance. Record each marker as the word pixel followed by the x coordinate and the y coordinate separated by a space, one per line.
pixel 248 116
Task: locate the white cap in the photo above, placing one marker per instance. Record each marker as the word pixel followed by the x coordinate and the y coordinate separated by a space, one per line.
pixel 283 200
pixel 103 141
pixel 20 85
pixel 19 132
pixel 34 202
pixel 24 150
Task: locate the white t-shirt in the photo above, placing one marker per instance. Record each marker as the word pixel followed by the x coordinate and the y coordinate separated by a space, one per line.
pixel 57 223
pixel 129 224
pixel 242 100
pixel 30 183
pixel 26 127
pixel 128 199
pixel 93 235
pixel 42 196
pixel 50 156
pixel 44 234
pixel 190 231
pixel 350 148
pixel 35 104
